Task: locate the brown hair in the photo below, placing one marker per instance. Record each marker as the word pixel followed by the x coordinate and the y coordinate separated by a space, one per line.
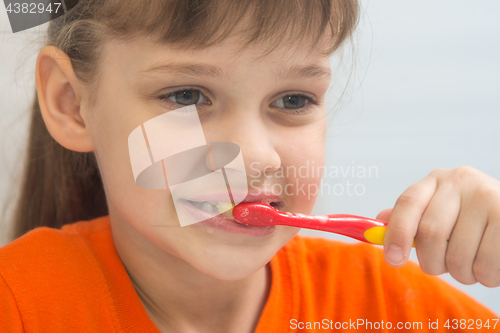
pixel 60 186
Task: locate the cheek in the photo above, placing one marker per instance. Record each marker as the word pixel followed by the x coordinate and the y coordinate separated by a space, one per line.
pixel 149 207
pixel 303 166
pixel 304 185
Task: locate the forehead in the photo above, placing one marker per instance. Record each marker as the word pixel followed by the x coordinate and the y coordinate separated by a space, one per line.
pixel 140 56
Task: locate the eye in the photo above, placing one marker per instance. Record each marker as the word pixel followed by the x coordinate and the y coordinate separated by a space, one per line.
pixel 294 102
pixel 186 97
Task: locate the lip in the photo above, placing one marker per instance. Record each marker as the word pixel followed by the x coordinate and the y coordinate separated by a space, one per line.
pixel 228 224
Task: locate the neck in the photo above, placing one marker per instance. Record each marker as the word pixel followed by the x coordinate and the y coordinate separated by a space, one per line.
pixel 179 298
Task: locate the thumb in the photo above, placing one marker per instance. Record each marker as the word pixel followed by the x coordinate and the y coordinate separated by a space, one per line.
pixel 384 215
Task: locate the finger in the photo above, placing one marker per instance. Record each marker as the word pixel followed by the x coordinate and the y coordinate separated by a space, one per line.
pixel 486 265
pixel 405 217
pixel 465 240
pixel 384 215
pixel 435 228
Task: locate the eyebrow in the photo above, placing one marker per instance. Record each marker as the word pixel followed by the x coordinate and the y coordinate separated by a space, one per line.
pixel 211 71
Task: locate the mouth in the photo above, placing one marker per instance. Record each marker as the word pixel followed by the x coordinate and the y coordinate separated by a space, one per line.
pixel 220 207
pixel 223 220
pixel 216 207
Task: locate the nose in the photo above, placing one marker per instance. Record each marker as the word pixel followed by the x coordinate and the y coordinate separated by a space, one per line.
pixel 254 137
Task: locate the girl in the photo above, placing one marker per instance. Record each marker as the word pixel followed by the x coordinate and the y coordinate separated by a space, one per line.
pixel 257 72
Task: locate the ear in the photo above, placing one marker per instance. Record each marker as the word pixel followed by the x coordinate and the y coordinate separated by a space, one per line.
pixel 59 96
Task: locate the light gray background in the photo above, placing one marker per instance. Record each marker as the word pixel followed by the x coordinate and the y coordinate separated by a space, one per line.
pixel 424 94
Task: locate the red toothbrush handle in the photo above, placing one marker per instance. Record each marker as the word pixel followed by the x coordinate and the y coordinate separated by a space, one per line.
pixel 343 224
pixel 361 228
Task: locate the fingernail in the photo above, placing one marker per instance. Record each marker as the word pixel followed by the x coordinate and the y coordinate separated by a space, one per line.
pixel 395 255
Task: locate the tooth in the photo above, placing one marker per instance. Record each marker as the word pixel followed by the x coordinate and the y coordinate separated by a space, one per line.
pixel 206 206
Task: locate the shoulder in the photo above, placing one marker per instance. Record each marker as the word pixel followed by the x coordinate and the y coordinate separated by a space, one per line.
pixel 48 269
pixel 48 251
pixel 356 274
pixel 325 254
pixel 335 265
pixel 356 261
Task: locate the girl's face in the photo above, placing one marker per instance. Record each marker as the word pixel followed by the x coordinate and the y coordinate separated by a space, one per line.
pixel 272 107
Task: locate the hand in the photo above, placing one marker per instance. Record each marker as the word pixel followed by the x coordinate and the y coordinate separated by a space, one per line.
pixel 454 216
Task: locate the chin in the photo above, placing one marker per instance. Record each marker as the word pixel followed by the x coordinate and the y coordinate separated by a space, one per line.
pixel 230 263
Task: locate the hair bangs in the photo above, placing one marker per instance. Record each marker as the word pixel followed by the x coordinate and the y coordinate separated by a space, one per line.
pixel 198 24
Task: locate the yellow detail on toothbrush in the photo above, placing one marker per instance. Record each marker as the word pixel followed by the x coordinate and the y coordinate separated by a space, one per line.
pixel 376 235
pixel 225 208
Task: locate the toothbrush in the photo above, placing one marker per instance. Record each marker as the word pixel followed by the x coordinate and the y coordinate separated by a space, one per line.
pixel 361 228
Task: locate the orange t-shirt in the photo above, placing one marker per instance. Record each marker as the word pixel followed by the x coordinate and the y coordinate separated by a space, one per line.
pixel 72 280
